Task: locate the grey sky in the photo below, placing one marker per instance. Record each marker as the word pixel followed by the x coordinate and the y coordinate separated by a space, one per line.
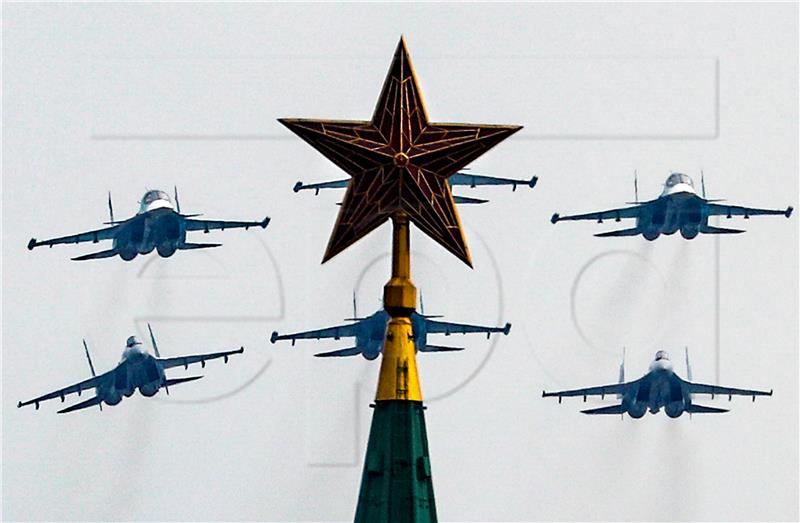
pixel 121 97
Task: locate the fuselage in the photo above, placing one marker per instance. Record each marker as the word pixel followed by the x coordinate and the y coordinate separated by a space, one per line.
pixel 678 208
pixel 138 369
pixel 372 331
pixel 659 388
pixel 157 225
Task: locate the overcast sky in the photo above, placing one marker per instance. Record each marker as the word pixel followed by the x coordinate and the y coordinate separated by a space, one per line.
pixel 123 97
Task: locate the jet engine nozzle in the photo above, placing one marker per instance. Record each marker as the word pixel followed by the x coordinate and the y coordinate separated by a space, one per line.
pixel 674 409
pixel 637 410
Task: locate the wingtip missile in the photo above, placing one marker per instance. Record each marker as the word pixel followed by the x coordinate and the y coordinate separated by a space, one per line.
pixel 297 186
pixel 532 183
pixel 507 329
pixel 788 211
pixel 555 218
pixel 32 242
pixel 274 337
pixel 264 222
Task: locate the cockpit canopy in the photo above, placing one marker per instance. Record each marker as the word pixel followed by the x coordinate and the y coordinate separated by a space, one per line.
pixel 676 178
pixel 151 196
pixel 133 340
pixel 662 355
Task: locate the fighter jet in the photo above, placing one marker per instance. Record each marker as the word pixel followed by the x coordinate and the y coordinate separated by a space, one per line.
pixel 158 225
pixel 679 208
pixel 137 369
pixel 369 333
pixel 460 178
pixel 660 387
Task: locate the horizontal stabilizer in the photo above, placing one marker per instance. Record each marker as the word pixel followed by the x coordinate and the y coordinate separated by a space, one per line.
pixel 91 402
pixel 467 199
pixel 701 409
pixel 350 351
pixel 438 348
pixel 199 245
pixel 708 229
pixel 177 381
pixel 624 232
pixel 611 409
pixel 96 255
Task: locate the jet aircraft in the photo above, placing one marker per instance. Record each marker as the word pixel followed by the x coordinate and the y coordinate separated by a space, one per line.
pixel 158 225
pixel 679 208
pixel 460 178
pixel 369 333
pixel 660 387
pixel 137 369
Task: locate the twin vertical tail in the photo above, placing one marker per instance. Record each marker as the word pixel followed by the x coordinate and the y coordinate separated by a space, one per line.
pixel 621 371
pixel 636 186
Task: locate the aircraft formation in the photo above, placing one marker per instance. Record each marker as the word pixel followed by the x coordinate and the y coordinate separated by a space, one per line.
pixel 403 168
pixel 160 225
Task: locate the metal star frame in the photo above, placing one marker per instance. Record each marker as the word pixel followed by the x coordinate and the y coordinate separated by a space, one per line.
pixel 399 162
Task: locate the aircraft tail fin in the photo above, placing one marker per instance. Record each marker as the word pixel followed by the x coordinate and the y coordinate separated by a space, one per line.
pixel 91 366
pixel 703 183
pixel 89 358
pixel 153 340
pixel 702 409
pixel 688 367
pixel 110 208
pixel 624 232
pixel 177 201
pixel 438 348
pixel 91 402
pixel 187 246
pixel 708 229
pixel 611 409
pixel 177 381
pixel 621 371
pixel 350 351
pixel 97 255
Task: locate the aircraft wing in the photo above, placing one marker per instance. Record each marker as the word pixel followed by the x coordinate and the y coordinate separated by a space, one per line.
pixel 340 331
pixel 208 225
pixel 336 184
pixel 716 209
pixel 91 236
pixel 447 328
pixel 611 214
pixel 472 180
pixel 700 388
pixel 616 388
pixel 185 361
pixel 91 383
